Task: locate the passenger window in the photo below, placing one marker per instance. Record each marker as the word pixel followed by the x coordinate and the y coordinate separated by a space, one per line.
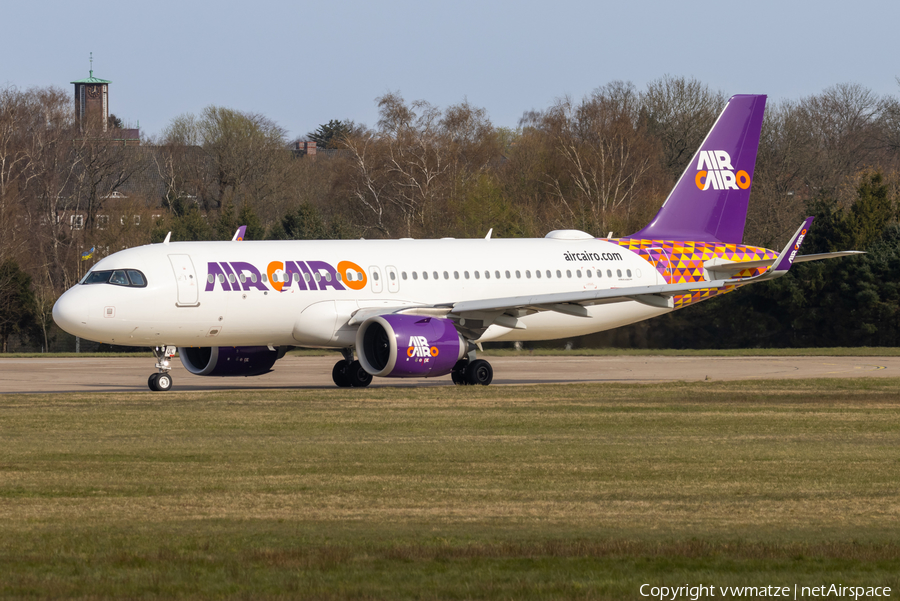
pixel 403 275
pixel 466 274
pixel 558 273
pixel 487 274
pixel 446 276
pixel 628 272
pixel 578 273
pixel 231 278
pixel 415 275
pixel 337 276
pixel 306 277
pixel 497 274
pixel 455 275
pixel 210 278
pixel 528 273
pixel 518 274
pixel 263 276
pixel 393 275
pixel 374 276
pixel 244 278
pixel 296 277
pixel 253 277
pixel 477 275
pixel 221 278
pixel 318 277
pixel 549 275
pixel 537 273
pixel 424 275
pixel 588 273
pixel 568 273
pixel 618 273
pixel 609 273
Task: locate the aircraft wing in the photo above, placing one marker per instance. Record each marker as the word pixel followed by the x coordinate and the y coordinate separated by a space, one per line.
pixel 474 316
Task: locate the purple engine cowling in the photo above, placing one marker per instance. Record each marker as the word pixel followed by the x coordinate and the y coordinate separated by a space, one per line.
pixel 229 360
pixel 409 346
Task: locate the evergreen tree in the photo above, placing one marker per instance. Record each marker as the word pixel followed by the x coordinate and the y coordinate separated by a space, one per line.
pixel 17 305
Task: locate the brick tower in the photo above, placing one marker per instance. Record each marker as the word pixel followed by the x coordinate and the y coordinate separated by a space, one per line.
pixel 92 101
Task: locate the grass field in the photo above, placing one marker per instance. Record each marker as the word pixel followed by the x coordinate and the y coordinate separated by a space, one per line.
pixel 537 492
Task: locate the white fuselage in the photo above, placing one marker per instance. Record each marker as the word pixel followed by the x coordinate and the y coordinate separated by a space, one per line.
pixel 189 299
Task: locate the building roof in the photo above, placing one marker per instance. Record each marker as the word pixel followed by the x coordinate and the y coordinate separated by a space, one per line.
pixel 91 79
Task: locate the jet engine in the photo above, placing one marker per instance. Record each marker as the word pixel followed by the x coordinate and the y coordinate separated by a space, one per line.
pixel 230 361
pixel 409 346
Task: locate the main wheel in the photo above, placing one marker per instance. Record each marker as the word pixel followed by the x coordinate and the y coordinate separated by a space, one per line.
pixel 163 382
pixel 359 378
pixel 151 382
pixel 479 372
pixel 340 374
pixel 458 373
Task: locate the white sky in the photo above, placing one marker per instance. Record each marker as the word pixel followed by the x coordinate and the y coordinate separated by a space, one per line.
pixel 302 63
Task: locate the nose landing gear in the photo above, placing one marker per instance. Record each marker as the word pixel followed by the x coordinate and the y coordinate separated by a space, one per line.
pixel 162 381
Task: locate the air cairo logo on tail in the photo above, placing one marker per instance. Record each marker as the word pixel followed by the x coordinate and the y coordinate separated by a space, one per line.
pixel 714 171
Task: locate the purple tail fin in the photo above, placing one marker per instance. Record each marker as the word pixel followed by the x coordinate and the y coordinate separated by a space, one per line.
pixel 709 202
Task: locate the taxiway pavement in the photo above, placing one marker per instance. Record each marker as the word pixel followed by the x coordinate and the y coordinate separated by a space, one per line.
pixel 52 375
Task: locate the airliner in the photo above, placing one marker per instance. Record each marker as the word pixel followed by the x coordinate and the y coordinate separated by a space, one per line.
pixel 422 308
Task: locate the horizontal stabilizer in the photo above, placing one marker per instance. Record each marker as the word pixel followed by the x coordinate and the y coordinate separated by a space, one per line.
pixel 719 268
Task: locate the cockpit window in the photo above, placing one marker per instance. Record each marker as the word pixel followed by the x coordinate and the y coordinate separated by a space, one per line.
pixel 137 278
pixel 118 277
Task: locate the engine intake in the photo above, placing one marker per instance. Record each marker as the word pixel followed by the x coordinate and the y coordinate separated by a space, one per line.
pixel 409 346
pixel 229 360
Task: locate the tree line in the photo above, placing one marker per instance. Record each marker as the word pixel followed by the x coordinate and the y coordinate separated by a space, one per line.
pixel 603 163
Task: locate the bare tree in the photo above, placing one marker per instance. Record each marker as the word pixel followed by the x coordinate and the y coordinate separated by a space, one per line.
pixel 604 163
pixel 679 112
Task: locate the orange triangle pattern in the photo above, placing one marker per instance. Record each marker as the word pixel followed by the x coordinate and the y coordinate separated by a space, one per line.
pixel 682 262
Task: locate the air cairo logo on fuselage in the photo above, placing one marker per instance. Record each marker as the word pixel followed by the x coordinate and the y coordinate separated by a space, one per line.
pixel 419 347
pixel 284 276
pixel 714 171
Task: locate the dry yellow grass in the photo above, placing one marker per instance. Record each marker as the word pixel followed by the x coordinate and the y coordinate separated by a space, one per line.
pixel 356 481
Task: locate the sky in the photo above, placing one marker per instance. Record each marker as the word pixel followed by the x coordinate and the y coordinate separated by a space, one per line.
pixel 303 63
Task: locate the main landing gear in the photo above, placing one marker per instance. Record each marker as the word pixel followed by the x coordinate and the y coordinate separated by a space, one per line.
pixel 162 381
pixel 349 373
pixel 472 373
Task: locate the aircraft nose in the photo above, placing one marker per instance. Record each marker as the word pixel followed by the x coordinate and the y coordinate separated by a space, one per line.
pixel 70 314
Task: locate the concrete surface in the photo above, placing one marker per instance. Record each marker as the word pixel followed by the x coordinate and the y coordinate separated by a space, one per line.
pixel 130 374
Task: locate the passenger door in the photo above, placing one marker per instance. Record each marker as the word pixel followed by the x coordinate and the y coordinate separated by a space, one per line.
pixel 186 281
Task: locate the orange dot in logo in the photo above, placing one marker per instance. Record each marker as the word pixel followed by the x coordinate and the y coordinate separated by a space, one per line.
pixel 434 351
pixel 743 180
pixel 272 268
pixel 410 351
pixel 701 175
pixel 355 284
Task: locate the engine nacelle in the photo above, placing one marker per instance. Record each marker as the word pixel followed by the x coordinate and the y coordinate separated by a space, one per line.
pixel 229 360
pixel 409 346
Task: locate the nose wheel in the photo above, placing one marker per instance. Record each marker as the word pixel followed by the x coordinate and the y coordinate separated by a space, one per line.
pixel 162 381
